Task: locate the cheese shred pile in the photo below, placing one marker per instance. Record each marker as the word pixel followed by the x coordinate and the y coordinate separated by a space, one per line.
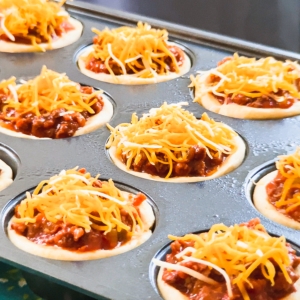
pixel 250 77
pixel 289 167
pixel 35 21
pixel 142 50
pixel 45 93
pixel 171 131
pixel 235 252
pixel 72 198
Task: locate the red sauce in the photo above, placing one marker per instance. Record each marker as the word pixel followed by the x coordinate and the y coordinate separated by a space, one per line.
pixel 54 125
pixel 98 66
pixel 64 27
pixel 198 163
pixel 274 191
pixel 196 289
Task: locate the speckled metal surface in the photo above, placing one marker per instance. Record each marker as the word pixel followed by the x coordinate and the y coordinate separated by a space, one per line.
pixel 182 208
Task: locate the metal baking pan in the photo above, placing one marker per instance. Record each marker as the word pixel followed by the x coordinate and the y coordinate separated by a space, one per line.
pixel 181 208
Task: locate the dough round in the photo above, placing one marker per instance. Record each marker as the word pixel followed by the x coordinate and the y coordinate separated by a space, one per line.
pixel 92 123
pixel 55 252
pixel 261 202
pixel 231 163
pixel 6 175
pixel 170 293
pixel 208 101
pixel 131 79
pixel 66 39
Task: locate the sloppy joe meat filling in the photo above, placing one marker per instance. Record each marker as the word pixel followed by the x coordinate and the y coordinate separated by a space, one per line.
pixel 72 237
pixel 195 289
pixel 274 192
pixel 259 102
pixel 56 124
pixel 198 163
pixel 69 236
pixel 98 66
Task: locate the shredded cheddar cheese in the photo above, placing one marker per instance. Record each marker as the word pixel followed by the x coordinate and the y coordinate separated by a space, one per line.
pixel 289 167
pixel 235 252
pixel 250 77
pixel 72 198
pixel 141 50
pixel 6 86
pixel 171 131
pixel 35 21
pixel 45 93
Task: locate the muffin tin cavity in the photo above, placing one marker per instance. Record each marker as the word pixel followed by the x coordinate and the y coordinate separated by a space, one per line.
pixel 11 158
pixel 254 176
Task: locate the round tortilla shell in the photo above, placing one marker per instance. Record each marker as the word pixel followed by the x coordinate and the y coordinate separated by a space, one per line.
pixel 231 163
pixel 92 123
pixel 55 252
pixel 6 175
pixel 170 293
pixel 261 202
pixel 209 101
pixel 131 79
pixel 66 39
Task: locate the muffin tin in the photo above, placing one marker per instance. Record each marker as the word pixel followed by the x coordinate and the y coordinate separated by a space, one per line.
pixel 179 208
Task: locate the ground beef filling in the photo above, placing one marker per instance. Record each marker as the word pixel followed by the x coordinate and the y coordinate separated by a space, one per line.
pixel 56 124
pixel 195 289
pixel 198 163
pixel 98 66
pixel 274 192
pixel 63 28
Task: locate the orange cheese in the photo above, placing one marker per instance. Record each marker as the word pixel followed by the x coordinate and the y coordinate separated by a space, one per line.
pixel 7 85
pixel 45 93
